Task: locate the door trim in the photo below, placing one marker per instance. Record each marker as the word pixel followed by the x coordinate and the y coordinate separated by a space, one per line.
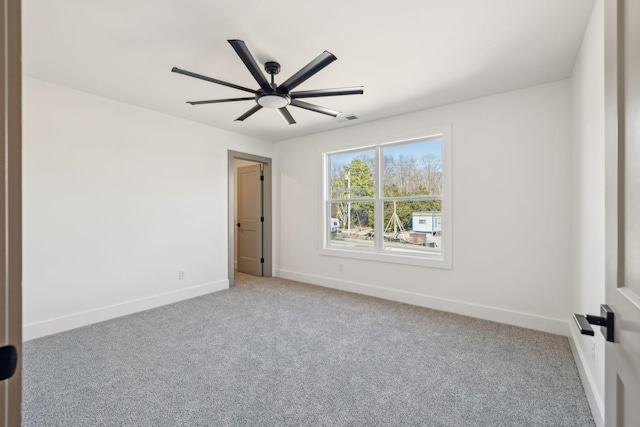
pixel 11 204
pixel 268 213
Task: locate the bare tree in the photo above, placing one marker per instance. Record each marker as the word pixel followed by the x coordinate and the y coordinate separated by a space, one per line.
pixel 431 173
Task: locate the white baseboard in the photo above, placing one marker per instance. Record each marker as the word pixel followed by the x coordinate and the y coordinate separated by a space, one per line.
pixel 593 397
pixel 76 320
pixel 510 317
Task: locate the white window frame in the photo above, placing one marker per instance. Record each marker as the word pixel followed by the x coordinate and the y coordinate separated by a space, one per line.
pixel 377 253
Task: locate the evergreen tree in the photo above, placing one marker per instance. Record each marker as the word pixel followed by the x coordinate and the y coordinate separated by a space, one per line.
pixel 355 182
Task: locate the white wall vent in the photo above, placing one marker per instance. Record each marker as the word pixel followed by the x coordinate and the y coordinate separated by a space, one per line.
pixel 346 117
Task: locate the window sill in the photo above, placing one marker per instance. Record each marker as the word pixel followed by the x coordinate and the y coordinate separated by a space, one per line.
pixel 432 261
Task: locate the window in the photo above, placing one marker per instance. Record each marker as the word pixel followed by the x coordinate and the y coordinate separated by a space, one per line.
pixel 390 202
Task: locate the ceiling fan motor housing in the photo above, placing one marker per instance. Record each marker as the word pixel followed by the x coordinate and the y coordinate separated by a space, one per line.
pixel 272 99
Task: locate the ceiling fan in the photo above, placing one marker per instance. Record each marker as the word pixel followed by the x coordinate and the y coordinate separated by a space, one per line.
pixel 275 96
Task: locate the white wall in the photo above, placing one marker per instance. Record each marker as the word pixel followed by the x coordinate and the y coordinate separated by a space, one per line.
pixel 117 199
pixel 588 199
pixel 511 169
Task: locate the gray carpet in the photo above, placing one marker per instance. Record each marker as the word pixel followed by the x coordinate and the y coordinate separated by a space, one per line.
pixel 274 352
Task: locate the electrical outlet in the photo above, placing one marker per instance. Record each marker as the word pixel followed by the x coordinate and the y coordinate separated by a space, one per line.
pixel 340 267
pixel 593 350
pixel 181 275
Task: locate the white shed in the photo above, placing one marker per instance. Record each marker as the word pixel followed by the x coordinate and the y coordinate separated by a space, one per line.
pixel 426 222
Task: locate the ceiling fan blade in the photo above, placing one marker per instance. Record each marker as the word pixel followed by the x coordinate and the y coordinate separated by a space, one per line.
pixel 244 54
pixel 286 115
pixel 356 90
pixel 249 113
pixel 316 108
pixel 215 101
pixel 209 79
pixel 324 59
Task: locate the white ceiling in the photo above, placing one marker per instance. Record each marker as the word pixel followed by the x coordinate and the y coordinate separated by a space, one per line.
pixel 408 54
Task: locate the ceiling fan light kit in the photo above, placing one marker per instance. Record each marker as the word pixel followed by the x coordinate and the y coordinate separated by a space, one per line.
pixel 271 95
pixel 273 101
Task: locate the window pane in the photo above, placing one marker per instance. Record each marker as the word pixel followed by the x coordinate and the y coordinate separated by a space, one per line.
pixel 413 226
pixel 351 174
pixel 351 225
pixel 412 169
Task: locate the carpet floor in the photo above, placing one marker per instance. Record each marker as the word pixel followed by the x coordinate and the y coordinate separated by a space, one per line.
pixel 272 352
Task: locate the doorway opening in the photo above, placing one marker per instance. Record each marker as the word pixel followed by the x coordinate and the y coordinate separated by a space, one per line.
pixel 249 196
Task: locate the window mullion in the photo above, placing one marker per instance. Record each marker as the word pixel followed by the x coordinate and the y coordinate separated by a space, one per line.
pixel 368 200
pixel 410 198
pixel 378 206
pixel 326 238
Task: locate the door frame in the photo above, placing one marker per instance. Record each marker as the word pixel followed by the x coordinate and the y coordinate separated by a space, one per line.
pixel 267 252
pixel 11 205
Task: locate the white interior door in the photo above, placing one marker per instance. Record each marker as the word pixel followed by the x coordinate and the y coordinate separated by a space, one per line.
pixel 10 214
pixel 250 219
pixel 622 361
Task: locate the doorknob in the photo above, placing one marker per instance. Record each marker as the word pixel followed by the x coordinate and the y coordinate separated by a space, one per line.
pixel 8 361
pixel 238 225
pixel 605 321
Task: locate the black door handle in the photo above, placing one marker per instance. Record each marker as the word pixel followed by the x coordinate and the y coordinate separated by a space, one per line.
pixel 8 361
pixel 605 321
pixel 238 225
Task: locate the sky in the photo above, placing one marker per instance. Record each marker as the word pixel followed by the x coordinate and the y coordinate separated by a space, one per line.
pixel 431 146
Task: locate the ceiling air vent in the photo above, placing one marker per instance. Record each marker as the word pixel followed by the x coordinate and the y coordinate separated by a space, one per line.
pixel 346 117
